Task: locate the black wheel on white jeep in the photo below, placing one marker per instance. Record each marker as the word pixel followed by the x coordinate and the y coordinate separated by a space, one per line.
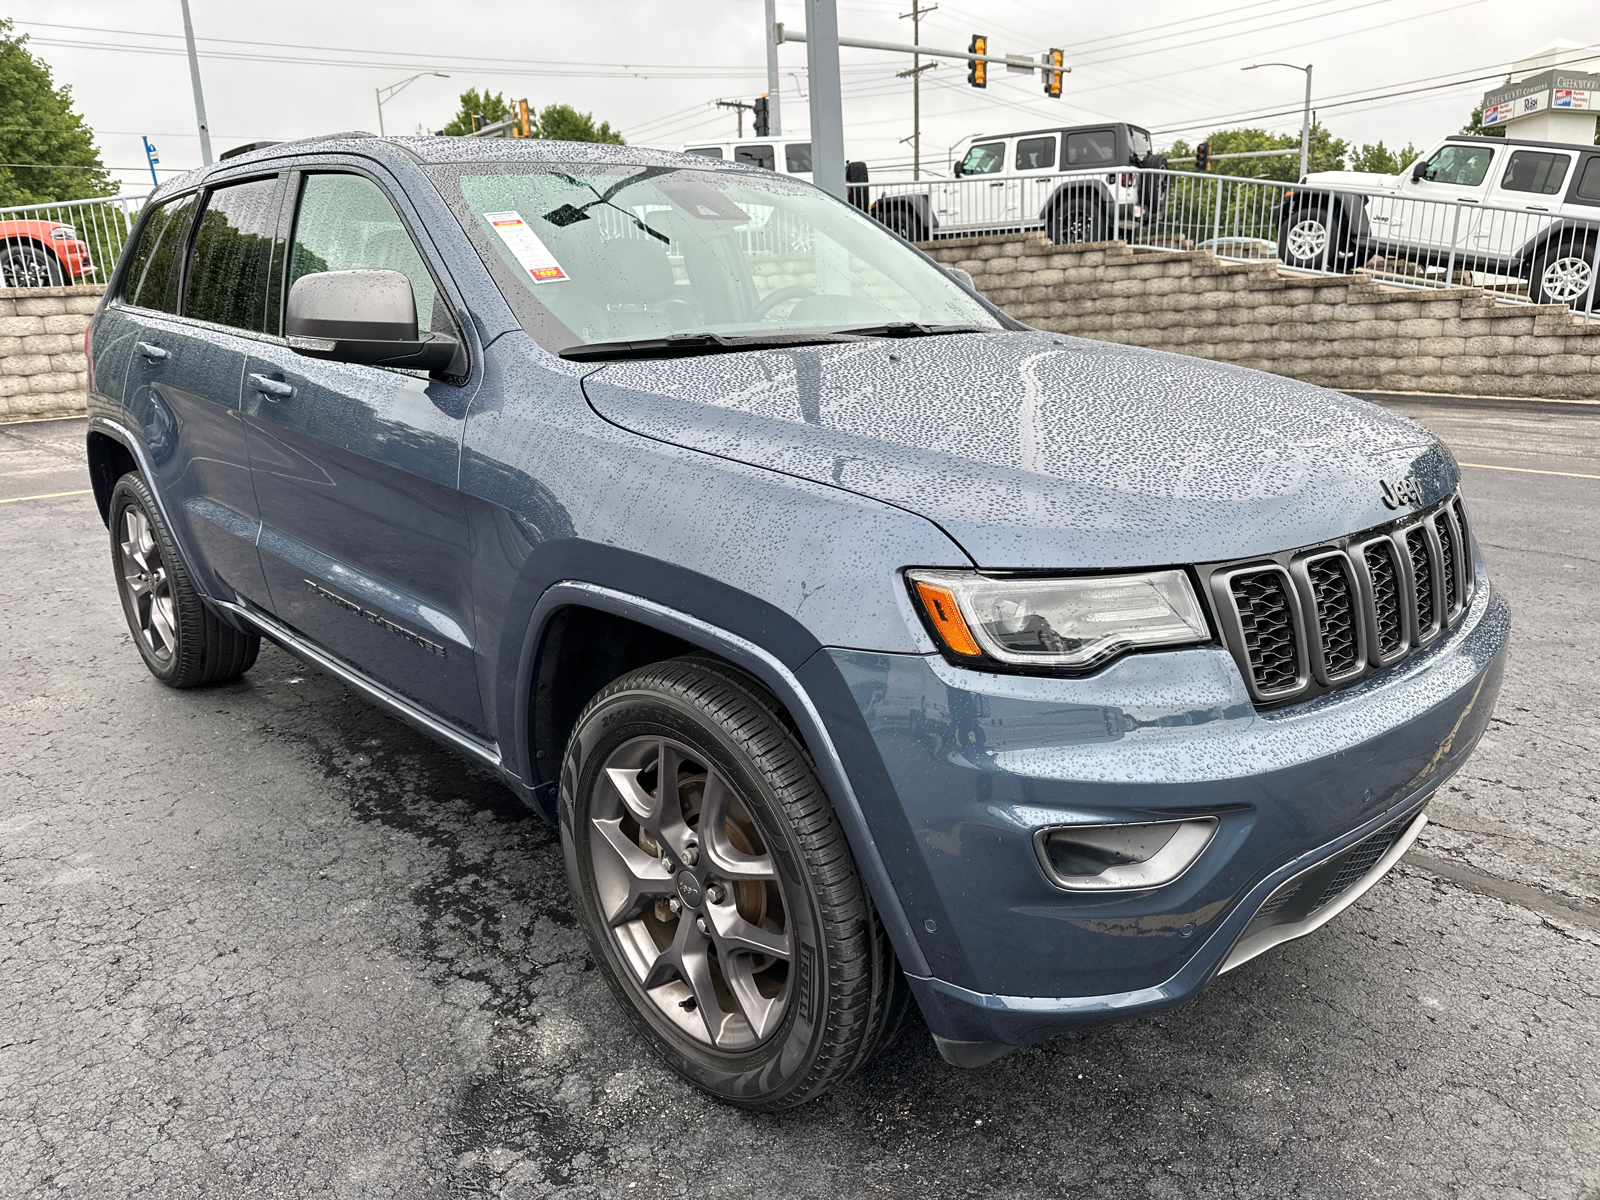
pixel 1562 271
pixel 1074 220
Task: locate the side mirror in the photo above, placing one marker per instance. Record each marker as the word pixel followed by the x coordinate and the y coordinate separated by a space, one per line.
pixel 1420 171
pixel 958 171
pixel 964 278
pixel 366 317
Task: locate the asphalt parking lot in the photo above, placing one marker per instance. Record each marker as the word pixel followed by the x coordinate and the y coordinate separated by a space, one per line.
pixel 263 941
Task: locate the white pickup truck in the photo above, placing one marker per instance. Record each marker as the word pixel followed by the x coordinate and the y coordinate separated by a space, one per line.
pixel 1486 205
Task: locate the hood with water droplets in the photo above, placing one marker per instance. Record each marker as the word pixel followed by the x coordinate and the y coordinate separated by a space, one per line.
pixel 1037 450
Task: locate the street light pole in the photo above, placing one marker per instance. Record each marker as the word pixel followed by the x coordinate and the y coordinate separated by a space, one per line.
pixel 827 109
pixel 395 89
pixel 774 108
pixel 1305 118
pixel 199 96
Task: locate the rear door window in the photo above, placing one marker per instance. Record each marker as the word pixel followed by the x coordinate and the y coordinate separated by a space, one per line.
pixel 230 265
pixel 797 157
pixel 1539 171
pixel 156 266
pixel 1093 149
pixel 988 158
pixel 758 156
pixel 1036 154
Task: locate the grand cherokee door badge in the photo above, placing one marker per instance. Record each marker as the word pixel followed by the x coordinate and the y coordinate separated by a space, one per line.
pixel 398 631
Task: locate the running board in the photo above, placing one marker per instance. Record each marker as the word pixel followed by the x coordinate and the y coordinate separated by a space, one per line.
pixel 486 753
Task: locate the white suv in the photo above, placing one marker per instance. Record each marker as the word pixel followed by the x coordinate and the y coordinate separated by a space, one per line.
pixel 1509 207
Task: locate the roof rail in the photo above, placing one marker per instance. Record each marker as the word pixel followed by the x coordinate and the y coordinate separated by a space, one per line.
pixel 244 149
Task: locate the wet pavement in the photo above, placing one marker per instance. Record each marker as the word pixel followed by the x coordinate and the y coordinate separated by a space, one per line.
pixel 261 940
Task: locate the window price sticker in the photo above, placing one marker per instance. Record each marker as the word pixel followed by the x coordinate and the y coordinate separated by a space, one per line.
pixel 532 255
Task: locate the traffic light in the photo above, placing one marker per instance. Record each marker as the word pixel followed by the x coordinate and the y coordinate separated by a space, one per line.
pixel 763 118
pixel 524 126
pixel 1202 157
pixel 978 72
pixel 1052 74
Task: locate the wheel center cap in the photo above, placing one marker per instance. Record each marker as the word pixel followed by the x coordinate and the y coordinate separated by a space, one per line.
pixel 688 889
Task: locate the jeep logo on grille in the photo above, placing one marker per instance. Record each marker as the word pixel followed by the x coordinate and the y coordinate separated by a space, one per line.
pixel 1397 492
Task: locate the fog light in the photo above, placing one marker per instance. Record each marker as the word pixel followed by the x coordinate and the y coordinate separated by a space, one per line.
pixel 1101 858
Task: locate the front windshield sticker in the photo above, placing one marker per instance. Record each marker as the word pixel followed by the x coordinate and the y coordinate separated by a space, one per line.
pixel 532 255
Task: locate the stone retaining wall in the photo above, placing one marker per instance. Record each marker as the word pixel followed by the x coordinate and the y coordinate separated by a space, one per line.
pixel 42 368
pixel 1344 332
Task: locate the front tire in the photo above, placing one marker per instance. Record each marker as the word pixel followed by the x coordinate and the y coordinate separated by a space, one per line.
pixel 180 639
pixel 717 891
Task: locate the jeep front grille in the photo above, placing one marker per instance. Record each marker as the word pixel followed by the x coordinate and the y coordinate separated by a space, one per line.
pixel 1311 620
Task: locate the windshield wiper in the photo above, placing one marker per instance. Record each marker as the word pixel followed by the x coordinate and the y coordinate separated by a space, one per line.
pixel 684 345
pixel 908 329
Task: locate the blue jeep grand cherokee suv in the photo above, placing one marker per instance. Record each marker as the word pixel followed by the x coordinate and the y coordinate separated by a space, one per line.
pixel 869 647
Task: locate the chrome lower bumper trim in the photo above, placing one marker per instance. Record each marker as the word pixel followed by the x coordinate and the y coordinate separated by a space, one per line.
pixel 1252 944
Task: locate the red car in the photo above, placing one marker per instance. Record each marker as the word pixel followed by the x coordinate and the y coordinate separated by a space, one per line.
pixel 42 254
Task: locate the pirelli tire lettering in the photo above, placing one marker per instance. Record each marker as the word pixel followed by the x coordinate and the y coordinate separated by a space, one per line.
pixel 398 631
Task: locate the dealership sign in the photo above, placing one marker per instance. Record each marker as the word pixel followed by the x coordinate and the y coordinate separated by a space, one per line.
pixel 1557 89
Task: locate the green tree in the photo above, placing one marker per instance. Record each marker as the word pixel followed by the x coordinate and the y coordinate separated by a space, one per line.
pixel 1327 153
pixel 559 122
pixel 38 125
pixel 562 122
pixel 490 108
pixel 1381 160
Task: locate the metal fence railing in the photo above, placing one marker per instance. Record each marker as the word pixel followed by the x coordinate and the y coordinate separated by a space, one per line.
pixel 73 241
pixel 1529 253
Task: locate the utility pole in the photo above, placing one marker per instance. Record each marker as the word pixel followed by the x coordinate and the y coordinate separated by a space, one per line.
pixel 741 105
pixel 1305 118
pixel 194 78
pixel 774 119
pixel 916 14
pixel 827 109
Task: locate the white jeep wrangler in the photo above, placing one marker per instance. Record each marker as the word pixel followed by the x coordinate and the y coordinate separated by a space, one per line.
pixel 1485 205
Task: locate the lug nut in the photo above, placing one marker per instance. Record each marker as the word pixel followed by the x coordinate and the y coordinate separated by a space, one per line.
pixel 691 854
pixel 715 893
pixel 675 904
pixel 700 924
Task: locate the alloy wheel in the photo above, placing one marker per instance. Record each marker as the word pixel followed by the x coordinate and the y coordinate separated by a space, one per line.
pixel 1565 279
pixel 1307 239
pixel 145 579
pixel 689 894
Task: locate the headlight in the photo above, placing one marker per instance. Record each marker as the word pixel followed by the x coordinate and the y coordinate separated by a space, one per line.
pixel 1073 625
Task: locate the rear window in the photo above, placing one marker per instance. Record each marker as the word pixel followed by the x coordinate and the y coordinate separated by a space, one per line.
pixel 1589 183
pixel 1092 149
pixel 232 257
pixel 797 157
pixel 1138 145
pixel 1036 154
pixel 756 156
pixel 1537 171
pixel 154 270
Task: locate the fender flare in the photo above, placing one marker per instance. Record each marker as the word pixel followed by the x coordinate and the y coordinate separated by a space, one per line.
pixel 1534 246
pixel 785 684
pixel 918 202
pixel 1069 190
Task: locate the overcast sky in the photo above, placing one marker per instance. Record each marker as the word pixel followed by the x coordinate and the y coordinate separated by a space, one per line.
pixel 299 67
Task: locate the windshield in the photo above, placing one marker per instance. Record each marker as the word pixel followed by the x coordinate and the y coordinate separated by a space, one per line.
pixel 590 254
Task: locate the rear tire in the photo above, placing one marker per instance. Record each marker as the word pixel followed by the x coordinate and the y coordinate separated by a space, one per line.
pixel 903 220
pixel 180 639
pixel 1562 271
pixel 23 266
pixel 1072 222
pixel 1304 238
pixel 724 910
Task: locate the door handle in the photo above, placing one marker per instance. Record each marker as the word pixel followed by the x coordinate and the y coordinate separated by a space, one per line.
pixel 272 389
pixel 1000 184
pixel 153 353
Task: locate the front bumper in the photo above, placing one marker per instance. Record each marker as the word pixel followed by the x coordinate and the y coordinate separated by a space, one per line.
pixel 976 763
